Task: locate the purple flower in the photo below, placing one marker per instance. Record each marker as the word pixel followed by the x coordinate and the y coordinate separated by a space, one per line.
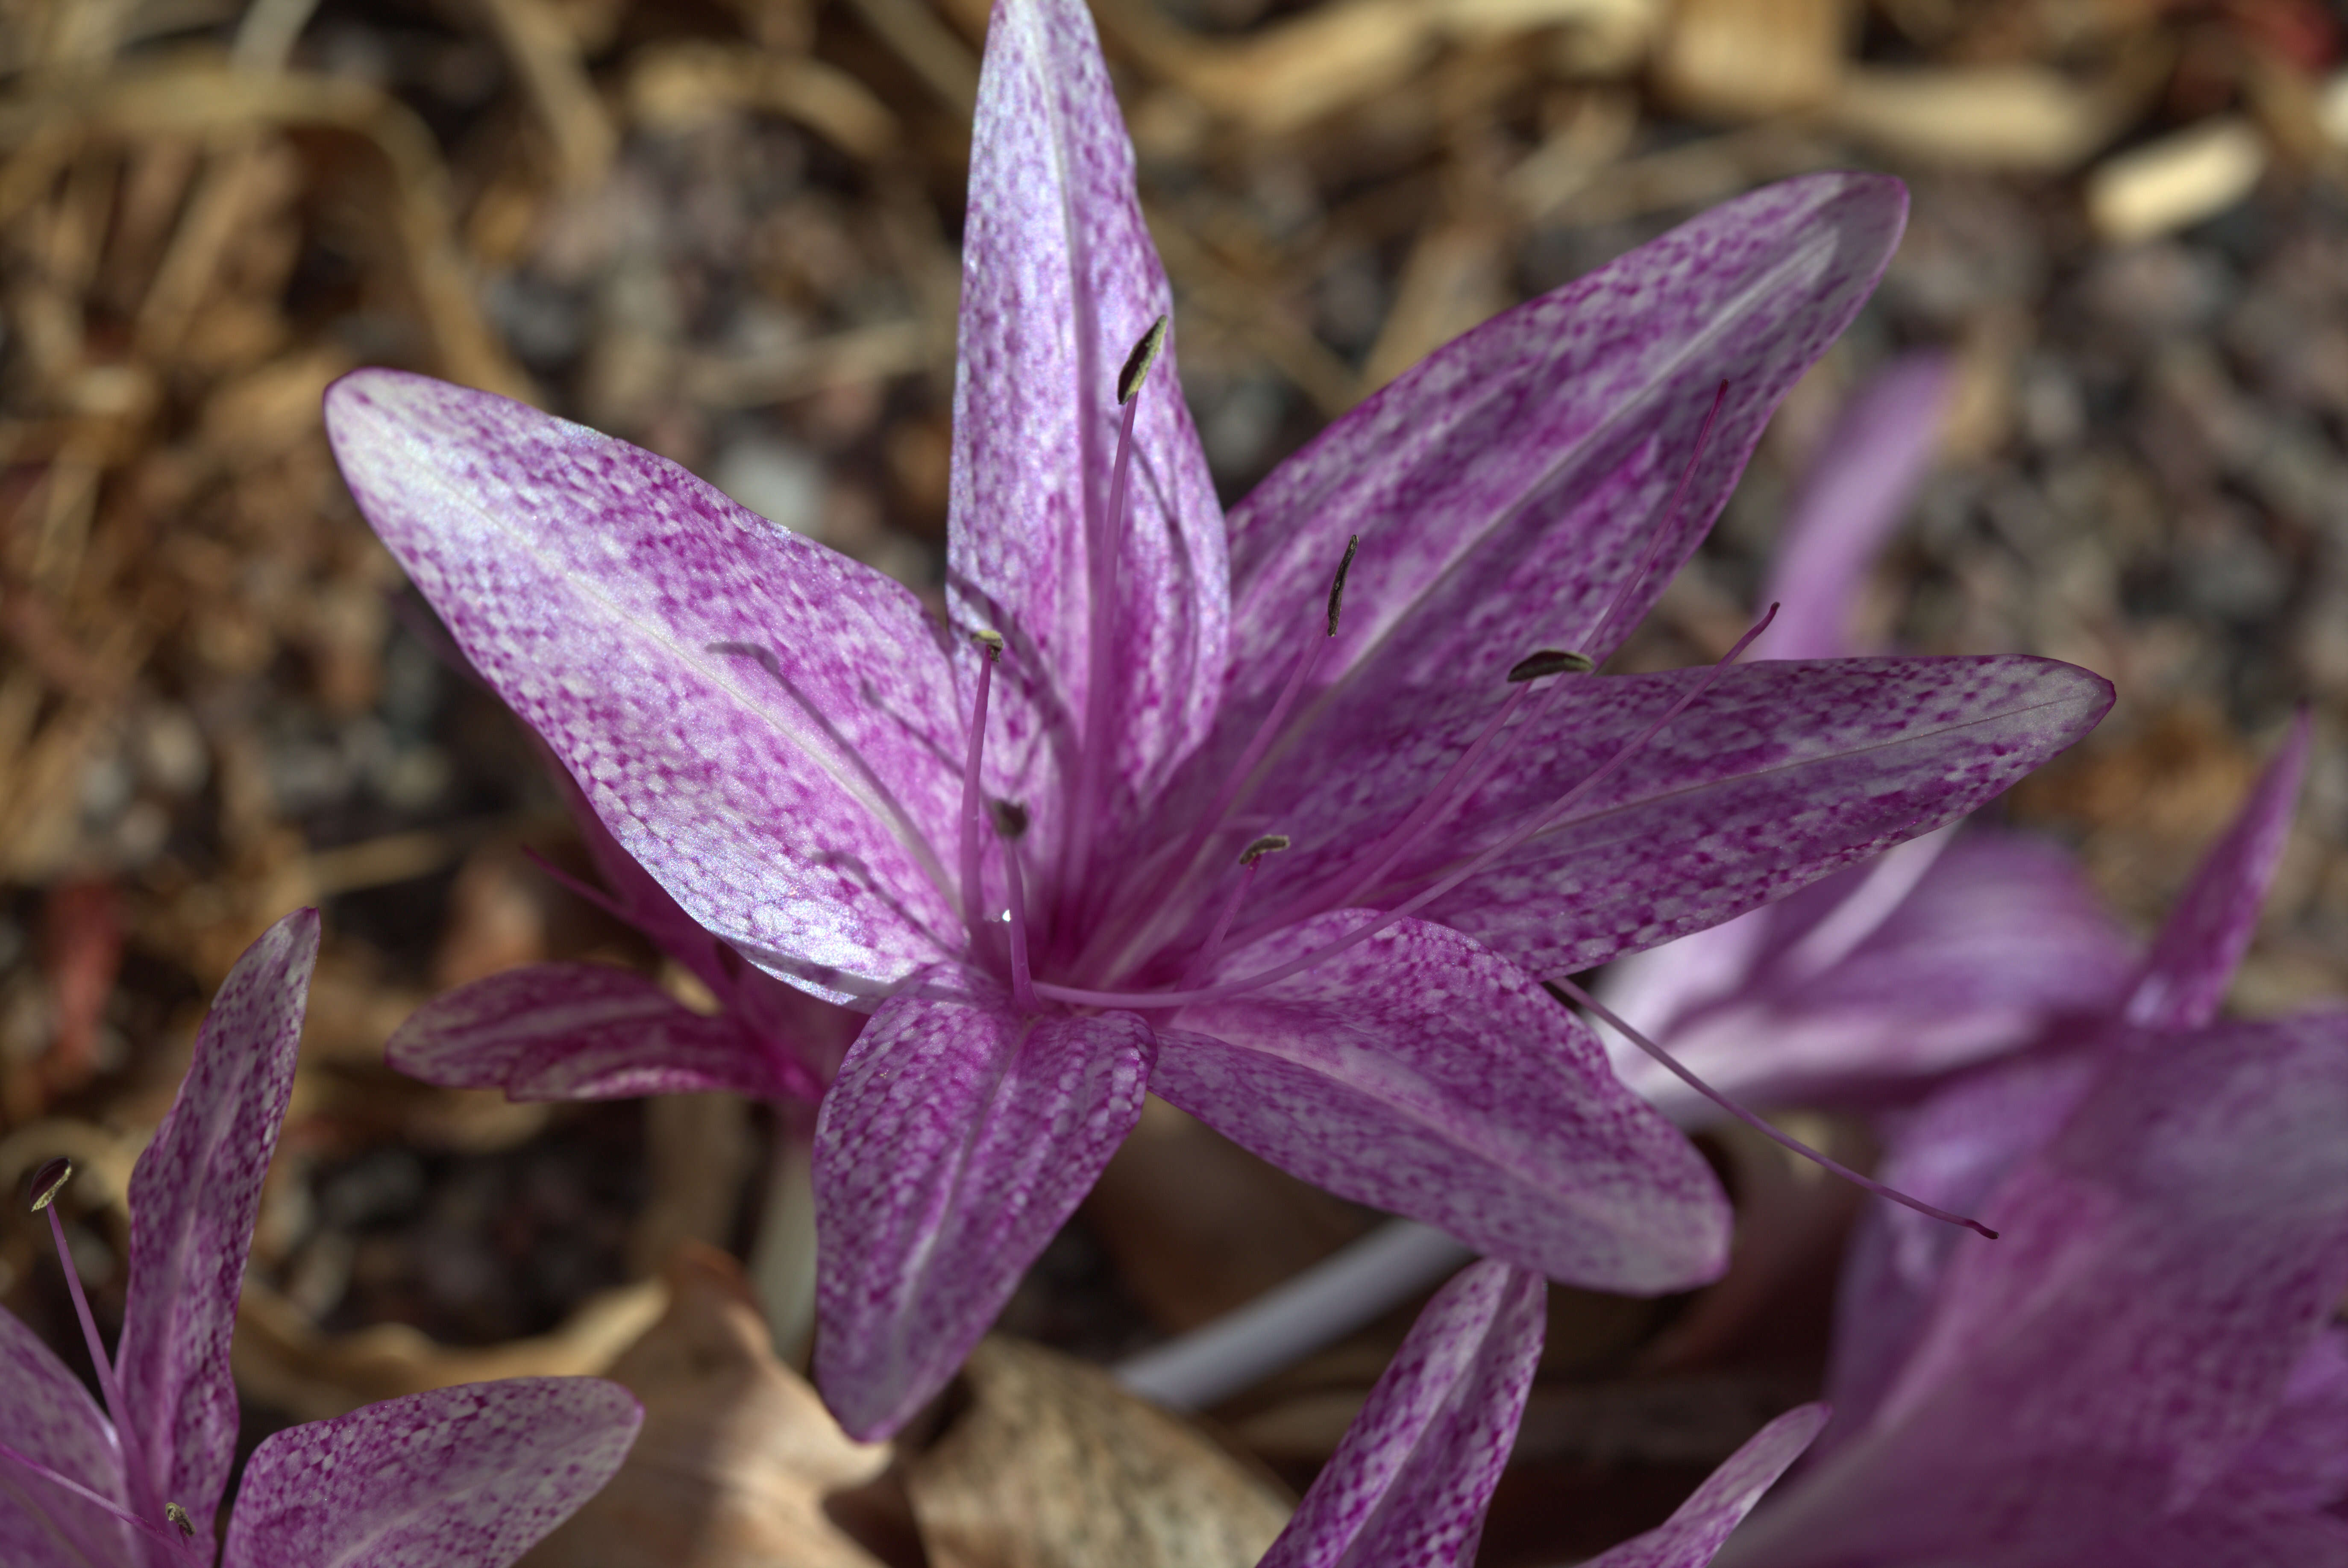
pixel 2146 1368
pixel 1870 985
pixel 1037 845
pixel 1414 1474
pixel 456 1478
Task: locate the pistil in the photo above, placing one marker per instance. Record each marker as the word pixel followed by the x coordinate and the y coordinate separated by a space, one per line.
pixel 973 802
pixel 1758 1124
pixel 1011 825
pixel 1107 545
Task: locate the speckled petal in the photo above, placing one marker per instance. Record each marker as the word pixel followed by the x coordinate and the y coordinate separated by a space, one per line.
pixel 787 1022
pixel 1856 491
pixel 1693 1533
pixel 1996 939
pixel 587 1031
pixel 194 1195
pixel 1955 1150
pixel 1059 280
pixel 2301 1459
pixel 1780 774
pixel 48 1415
pixel 1419 1073
pixel 2196 1198
pixel 1414 1473
pixel 2201 944
pixel 1508 488
pixel 956 1140
pixel 469 1476
pixel 767 727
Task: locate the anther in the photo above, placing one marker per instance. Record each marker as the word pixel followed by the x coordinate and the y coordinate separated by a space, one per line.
pixel 1270 844
pixel 1550 662
pixel 1010 819
pixel 1138 363
pixel 49 1181
pixel 1337 584
pixel 179 1516
pixel 990 642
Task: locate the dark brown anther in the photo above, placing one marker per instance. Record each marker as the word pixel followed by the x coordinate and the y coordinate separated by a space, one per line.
pixel 1138 363
pixel 1550 661
pixel 49 1181
pixel 990 642
pixel 1337 584
pixel 1010 819
pixel 1270 844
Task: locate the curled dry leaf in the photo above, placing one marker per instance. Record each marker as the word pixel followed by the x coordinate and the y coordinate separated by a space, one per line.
pixel 1050 1464
pixel 286 1361
pixel 738 1464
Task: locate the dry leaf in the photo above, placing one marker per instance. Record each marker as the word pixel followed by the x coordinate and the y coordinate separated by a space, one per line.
pixel 1744 59
pixel 737 1459
pixel 2177 181
pixel 1052 1465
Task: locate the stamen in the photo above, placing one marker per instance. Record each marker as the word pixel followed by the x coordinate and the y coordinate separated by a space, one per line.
pixel 1092 759
pixel 1577 994
pixel 179 1516
pixel 1459 783
pixel 1183 863
pixel 1670 515
pixel 1138 363
pixel 1337 584
pixel 990 648
pixel 1010 825
pixel 1250 859
pixel 31 1466
pixel 1550 662
pixel 1475 866
pixel 47 1183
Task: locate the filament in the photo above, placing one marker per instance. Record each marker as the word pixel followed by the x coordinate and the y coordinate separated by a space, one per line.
pixel 973 805
pixel 1475 866
pixel 107 1383
pixel 1092 757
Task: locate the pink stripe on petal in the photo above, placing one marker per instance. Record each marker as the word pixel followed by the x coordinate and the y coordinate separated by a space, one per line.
pixel 957 1139
pixel 466 1477
pixel 1410 1481
pixel 1420 1073
pixel 194 1195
